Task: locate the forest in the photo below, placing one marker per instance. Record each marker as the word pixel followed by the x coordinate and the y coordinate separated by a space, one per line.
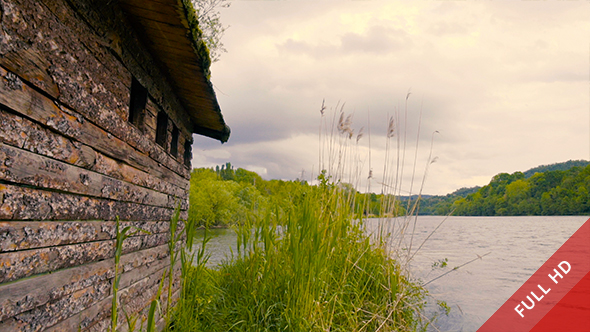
pixel 557 189
pixel 302 260
pixel 223 195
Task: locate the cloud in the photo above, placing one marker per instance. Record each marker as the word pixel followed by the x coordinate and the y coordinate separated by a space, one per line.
pixel 376 41
pixel 502 82
pixel 447 28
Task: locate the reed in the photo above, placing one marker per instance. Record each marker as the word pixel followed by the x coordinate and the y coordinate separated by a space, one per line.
pixel 312 268
pixel 121 236
pixel 310 264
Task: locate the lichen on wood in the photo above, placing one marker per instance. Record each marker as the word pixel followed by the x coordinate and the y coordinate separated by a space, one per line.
pixel 24 167
pixel 24 295
pixel 25 100
pixel 22 203
pixel 30 136
pixel 71 163
pixel 15 236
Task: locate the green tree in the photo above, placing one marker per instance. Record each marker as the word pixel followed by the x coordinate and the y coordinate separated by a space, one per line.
pixel 212 202
pixel 211 26
pixel 516 197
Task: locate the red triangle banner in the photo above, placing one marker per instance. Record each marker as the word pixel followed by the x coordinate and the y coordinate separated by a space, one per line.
pixel 556 297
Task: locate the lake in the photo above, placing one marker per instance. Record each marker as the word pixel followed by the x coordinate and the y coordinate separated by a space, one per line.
pixel 517 247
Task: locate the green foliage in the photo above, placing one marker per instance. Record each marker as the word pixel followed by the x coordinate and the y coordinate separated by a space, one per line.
pixel 304 259
pixel 210 27
pixel 303 264
pixel 121 236
pixel 212 202
pixel 556 167
pixel 444 307
pixel 175 247
pixel 154 306
pixel 557 189
pixel 439 205
pixel 441 263
pixel 549 193
pixel 224 196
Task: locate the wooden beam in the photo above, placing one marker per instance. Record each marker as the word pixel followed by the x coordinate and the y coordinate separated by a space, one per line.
pixel 20 264
pixel 22 99
pixel 22 203
pixel 25 295
pixel 24 167
pixel 24 235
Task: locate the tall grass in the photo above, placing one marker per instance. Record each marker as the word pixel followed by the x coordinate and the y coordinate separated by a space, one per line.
pixel 121 236
pixel 311 268
pixel 311 265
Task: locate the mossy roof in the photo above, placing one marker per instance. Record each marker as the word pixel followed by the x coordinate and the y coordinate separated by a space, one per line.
pixel 172 31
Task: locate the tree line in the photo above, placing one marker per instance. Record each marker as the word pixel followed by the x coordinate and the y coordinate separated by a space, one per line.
pixel 542 192
pixel 224 195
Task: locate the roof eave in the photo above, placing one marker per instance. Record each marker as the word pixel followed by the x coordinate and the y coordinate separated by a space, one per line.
pixel 172 45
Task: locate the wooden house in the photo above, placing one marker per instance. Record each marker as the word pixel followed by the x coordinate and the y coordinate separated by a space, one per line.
pixel 98 103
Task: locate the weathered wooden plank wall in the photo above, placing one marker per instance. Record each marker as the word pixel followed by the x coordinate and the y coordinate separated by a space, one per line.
pixel 71 163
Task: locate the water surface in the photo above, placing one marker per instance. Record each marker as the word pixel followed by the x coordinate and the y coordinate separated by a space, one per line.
pixel 517 247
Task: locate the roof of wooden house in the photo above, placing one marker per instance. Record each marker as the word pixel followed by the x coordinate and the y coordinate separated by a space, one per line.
pixel 170 28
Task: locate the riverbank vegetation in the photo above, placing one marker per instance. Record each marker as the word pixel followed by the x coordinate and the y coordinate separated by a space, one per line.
pixel 303 264
pixel 223 196
pixel 304 259
pixel 558 189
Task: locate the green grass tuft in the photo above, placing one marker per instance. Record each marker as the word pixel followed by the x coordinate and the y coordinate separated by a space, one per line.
pixel 311 268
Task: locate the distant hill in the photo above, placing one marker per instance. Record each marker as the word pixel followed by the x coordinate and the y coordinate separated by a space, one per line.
pixel 440 204
pixel 556 167
pixel 560 188
pixel 464 191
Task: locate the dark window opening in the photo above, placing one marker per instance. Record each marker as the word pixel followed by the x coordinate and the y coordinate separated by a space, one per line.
pixel 137 102
pixel 188 153
pixel 174 141
pixel 162 129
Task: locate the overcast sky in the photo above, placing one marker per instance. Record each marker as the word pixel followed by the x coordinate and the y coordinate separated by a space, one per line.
pixel 505 83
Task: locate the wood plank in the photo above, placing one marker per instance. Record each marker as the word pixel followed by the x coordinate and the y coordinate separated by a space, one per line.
pixel 29 64
pixel 135 299
pixel 23 133
pixel 170 8
pixel 22 99
pixel 22 235
pixel 122 171
pixel 90 302
pixel 83 82
pixel 152 3
pixel 164 28
pixel 175 48
pixel 137 302
pixel 97 317
pixel 54 16
pixel 136 58
pixel 38 319
pixel 161 14
pixel 28 135
pixel 112 23
pixel 151 112
pixel 27 294
pixel 20 264
pixel 172 33
pixel 93 105
pixel 24 167
pixel 21 203
pixel 138 296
